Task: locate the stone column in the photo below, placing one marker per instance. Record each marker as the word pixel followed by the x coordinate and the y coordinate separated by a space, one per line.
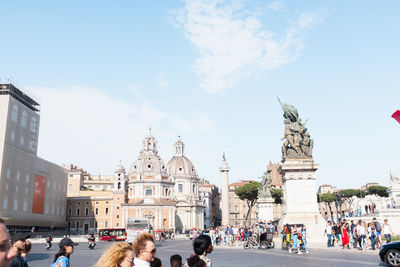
pixel 300 197
pixel 224 169
pixel 265 209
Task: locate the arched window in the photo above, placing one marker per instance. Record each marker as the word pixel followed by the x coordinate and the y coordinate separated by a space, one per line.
pixel 14 113
pixel 33 125
pixel 24 119
pixel 194 189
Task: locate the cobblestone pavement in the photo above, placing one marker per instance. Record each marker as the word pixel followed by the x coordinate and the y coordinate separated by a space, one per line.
pixel 221 256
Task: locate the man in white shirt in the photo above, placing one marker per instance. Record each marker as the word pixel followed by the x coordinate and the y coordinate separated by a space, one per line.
pixel 387 231
pixel 328 232
pixel 145 250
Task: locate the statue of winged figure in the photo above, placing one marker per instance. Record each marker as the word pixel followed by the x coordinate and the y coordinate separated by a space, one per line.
pixel 297 139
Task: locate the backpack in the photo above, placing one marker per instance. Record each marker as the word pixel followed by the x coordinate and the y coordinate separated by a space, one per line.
pixel 378 227
pixel 299 236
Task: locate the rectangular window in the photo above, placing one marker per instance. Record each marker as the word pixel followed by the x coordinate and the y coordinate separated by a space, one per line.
pixel 86 211
pixel 106 224
pixel 117 216
pixel 25 206
pixel 149 192
pixel 97 211
pixel 69 212
pixel 95 224
pixel 69 187
pixel 68 225
pixel 106 211
pixel 15 204
pixel 180 188
pixel 77 225
pixel 5 203
pixel 78 211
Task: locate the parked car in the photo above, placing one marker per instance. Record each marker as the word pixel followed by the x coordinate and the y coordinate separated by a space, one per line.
pixel 390 253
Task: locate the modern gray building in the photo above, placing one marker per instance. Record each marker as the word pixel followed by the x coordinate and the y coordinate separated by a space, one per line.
pixel 33 191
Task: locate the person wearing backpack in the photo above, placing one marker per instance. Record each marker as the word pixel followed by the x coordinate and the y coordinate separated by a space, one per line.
pixel 378 229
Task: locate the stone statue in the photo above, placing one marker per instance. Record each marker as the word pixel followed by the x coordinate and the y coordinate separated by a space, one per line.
pixel 394 184
pixel 394 179
pixel 298 143
pixel 266 182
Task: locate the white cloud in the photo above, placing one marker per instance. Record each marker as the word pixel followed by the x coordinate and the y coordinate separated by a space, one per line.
pixel 278 5
pixel 232 44
pixel 84 126
pixel 161 81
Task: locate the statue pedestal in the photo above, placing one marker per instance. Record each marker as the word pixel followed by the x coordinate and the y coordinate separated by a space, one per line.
pixel 300 197
pixel 266 209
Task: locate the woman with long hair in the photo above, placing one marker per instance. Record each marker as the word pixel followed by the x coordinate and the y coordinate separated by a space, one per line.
pixel 195 261
pixel 61 259
pixel 117 255
pixel 202 246
pixel 345 235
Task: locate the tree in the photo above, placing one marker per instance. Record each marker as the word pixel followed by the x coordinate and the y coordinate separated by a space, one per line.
pixel 277 194
pixel 248 193
pixel 328 198
pixel 348 194
pixel 378 190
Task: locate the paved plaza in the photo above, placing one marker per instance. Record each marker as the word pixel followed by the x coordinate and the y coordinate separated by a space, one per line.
pixel 83 257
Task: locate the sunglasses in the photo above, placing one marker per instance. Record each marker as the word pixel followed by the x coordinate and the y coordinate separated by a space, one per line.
pixel 151 251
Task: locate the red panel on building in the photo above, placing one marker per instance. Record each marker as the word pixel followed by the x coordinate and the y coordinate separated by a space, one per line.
pixel 38 194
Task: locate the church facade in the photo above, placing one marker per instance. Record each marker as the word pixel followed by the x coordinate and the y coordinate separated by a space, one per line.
pixel 167 194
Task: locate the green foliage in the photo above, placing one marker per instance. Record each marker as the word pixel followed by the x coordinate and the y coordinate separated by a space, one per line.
pixel 277 194
pixel 348 193
pixel 362 194
pixel 378 190
pixel 248 193
pixel 328 197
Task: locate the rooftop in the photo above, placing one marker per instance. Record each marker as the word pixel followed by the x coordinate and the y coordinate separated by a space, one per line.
pixel 9 89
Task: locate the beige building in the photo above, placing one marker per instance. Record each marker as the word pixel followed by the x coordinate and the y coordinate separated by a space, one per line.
pixel 326 188
pixel 238 208
pixel 167 194
pixel 30 187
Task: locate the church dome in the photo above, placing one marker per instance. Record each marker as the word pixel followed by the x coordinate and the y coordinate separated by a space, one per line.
pixel 180 165
pixel 148 165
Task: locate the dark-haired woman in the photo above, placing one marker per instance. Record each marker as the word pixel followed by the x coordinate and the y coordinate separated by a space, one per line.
pixel 61 259
pixel 202 246
pixel 195 261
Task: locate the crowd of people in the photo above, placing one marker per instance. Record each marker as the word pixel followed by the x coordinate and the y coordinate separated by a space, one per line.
pixel 358 234
pixel 122 254
pixel 141 253
pixel 354 234
pixel 232 235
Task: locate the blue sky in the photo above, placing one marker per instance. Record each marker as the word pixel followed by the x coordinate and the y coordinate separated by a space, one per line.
pixel 210 71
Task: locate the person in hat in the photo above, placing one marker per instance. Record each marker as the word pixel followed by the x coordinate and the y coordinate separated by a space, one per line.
pixel 18 243
pixel 7 253
pixel 61 259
